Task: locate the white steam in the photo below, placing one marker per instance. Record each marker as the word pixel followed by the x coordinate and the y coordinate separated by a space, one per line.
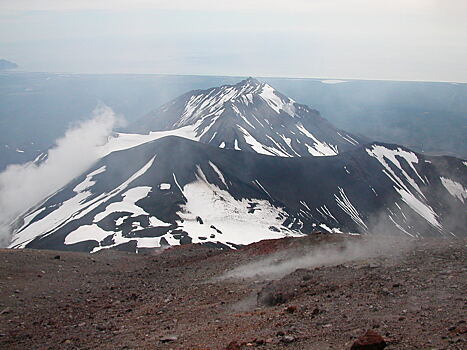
pixel 24 185
pixel 283 263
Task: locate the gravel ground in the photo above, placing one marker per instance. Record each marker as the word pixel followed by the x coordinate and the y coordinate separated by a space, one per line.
pixel 412 293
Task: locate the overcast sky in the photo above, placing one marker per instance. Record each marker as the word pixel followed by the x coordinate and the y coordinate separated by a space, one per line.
pixel 362 39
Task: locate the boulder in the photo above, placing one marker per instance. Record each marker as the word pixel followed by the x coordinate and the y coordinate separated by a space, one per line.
pixel 371 340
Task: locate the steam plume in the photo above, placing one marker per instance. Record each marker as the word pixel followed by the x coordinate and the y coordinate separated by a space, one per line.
pixel 281 264
pixel 24 185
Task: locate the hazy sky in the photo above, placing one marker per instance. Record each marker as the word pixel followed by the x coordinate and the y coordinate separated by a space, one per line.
pixel 397 39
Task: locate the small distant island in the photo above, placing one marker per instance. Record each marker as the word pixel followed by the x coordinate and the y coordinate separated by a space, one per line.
pixel 4 64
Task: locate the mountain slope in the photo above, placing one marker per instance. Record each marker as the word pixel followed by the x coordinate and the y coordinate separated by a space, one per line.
pixel 5 64
pixel 175 191
pixel 249 116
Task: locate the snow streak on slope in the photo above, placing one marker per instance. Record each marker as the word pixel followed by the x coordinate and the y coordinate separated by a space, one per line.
pixel 319 148
pixel 348 138
pixel 382 154
pixel 405 184
pixel 347 206
pixel 455 189
pixel 418 206
pixel 255 145
pixel 219 173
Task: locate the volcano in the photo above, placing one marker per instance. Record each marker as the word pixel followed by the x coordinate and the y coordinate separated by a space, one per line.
pixel 237 164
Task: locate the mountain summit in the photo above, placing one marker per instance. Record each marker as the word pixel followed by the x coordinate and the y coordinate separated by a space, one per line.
pixel 249 116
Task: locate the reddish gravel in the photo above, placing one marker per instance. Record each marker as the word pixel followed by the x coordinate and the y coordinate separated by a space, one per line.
pixel 173 299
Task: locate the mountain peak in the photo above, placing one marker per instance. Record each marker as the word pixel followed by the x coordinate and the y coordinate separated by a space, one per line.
pixel 250 81
pixel 249 116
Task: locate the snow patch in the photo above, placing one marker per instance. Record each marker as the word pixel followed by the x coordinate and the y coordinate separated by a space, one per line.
pixel 288 141
pixel 257 147
pixel 122 141
pixel 127 204
pixel 455 189
pixel 88 183
pixel 268 94
pixel 333 81
pixel 230 216
pixel 86 233
pixel 120 220
pixel 319 148
pixel 419 207
pixel 164 186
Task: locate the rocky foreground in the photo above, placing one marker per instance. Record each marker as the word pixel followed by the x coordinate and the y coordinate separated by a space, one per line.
pixel 281 294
